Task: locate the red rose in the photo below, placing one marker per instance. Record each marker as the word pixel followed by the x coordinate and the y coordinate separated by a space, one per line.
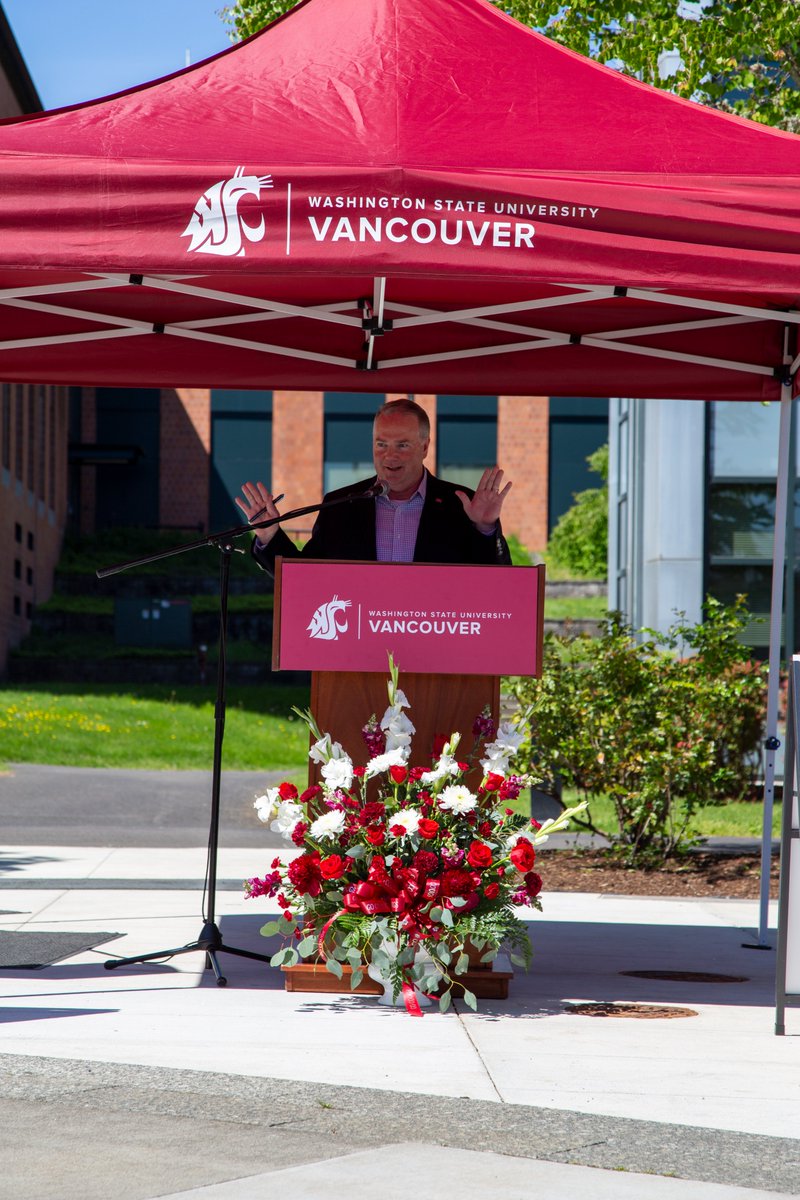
pixel 491 891
pixel 428 828
pixel 439 743
pixel 523 856
pixel 492 782
pixel 463 766
pixel 485 829
pixel 310 794
pixel 376 836
pixel 479 856
pixel 398 773
pixel 333 867
pixel 305 874
pixel 287 791
pixel 533 884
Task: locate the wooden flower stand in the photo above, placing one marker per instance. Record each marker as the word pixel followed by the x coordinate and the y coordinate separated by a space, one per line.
pixel 489 982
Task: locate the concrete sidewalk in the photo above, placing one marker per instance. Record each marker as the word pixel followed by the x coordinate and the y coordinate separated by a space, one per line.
pixel 168 1085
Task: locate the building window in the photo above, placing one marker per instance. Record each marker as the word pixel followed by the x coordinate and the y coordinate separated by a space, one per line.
pixel 17 532
pixel 31 541
pixel 19 431
pixel 241 449
pixel 17 606
pixel 32 406
pixel 6 428
pixel 348 438
pixel 17 568
pixel 578 427
pixel 742 441
pixel 466 437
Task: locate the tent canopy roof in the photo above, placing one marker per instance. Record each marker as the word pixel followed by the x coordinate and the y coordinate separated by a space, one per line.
pixel 392 195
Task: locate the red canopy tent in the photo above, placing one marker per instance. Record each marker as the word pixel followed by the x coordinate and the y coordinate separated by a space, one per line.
pixel 420 188
pixel 405 195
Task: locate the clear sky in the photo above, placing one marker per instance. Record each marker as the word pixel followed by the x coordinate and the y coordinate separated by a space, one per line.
pixel 77 50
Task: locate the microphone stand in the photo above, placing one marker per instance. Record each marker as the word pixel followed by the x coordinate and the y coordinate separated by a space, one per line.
pixel 209 941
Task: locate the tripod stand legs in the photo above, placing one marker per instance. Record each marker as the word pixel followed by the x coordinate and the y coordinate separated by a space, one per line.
pixel 210 941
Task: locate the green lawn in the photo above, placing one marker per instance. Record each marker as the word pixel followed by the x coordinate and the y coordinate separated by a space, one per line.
pixel 151 726
pixel 737 819
pixel 161 727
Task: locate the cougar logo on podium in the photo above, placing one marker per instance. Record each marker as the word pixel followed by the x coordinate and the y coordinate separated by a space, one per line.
pixel 216 226
pixel 326 623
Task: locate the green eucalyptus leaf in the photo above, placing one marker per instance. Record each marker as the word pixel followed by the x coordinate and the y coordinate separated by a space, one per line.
pixel 470 1001
pixel 272 927
pixel 334 967
pixel 445 1000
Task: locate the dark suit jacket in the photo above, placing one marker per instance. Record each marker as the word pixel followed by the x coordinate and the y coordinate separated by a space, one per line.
pixel 445 534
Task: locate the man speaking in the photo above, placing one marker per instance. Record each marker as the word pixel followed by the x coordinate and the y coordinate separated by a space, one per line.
pixel 409 515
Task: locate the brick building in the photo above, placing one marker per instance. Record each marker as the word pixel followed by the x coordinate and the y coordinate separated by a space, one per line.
pixel 33 440
pixel 176 458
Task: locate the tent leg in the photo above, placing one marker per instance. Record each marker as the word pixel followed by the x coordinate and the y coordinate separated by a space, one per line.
pixel 776 607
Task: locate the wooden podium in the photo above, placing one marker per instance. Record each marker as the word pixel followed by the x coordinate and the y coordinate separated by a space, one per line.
pixel 452 631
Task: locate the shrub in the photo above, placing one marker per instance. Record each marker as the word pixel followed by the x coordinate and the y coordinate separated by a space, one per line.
pixel 660 731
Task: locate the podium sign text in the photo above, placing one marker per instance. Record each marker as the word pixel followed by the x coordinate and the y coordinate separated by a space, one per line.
pixel 337 616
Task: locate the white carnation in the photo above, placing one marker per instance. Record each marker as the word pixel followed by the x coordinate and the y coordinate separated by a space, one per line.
pixel 409 818
pixel 382 762
pixel 328 826
pixel 457 799
pixel 338 773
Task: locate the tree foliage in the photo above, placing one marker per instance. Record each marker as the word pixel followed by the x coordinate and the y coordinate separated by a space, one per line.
pixel 742 56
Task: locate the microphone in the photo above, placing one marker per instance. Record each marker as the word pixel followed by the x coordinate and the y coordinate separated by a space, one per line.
pixel 378 488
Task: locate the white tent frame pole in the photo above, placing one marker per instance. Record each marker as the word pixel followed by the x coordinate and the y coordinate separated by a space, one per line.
pixel 776 610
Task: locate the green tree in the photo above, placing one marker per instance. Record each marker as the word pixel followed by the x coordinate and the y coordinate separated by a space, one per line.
pixel 579 541
pixel 742 56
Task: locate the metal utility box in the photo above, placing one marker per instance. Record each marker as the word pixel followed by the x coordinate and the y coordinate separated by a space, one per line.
pixel 145 622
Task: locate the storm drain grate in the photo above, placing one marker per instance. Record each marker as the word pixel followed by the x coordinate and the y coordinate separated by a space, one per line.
pixel 642 1012
pixel 687 976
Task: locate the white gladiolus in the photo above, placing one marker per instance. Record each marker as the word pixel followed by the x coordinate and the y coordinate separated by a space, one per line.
pixel 267 805
pixel 397 728
pixel 286 817
pixel 446 765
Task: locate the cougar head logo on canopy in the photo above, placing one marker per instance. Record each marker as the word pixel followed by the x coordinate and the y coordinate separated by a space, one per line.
pixel 325 624
pixel 215 226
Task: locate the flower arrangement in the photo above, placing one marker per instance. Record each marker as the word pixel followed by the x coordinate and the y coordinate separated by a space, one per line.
pixel 404 870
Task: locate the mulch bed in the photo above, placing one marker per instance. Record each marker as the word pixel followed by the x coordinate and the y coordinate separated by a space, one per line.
pixel 697 874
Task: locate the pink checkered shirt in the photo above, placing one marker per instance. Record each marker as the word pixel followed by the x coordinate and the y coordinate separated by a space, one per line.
pixel 396 524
